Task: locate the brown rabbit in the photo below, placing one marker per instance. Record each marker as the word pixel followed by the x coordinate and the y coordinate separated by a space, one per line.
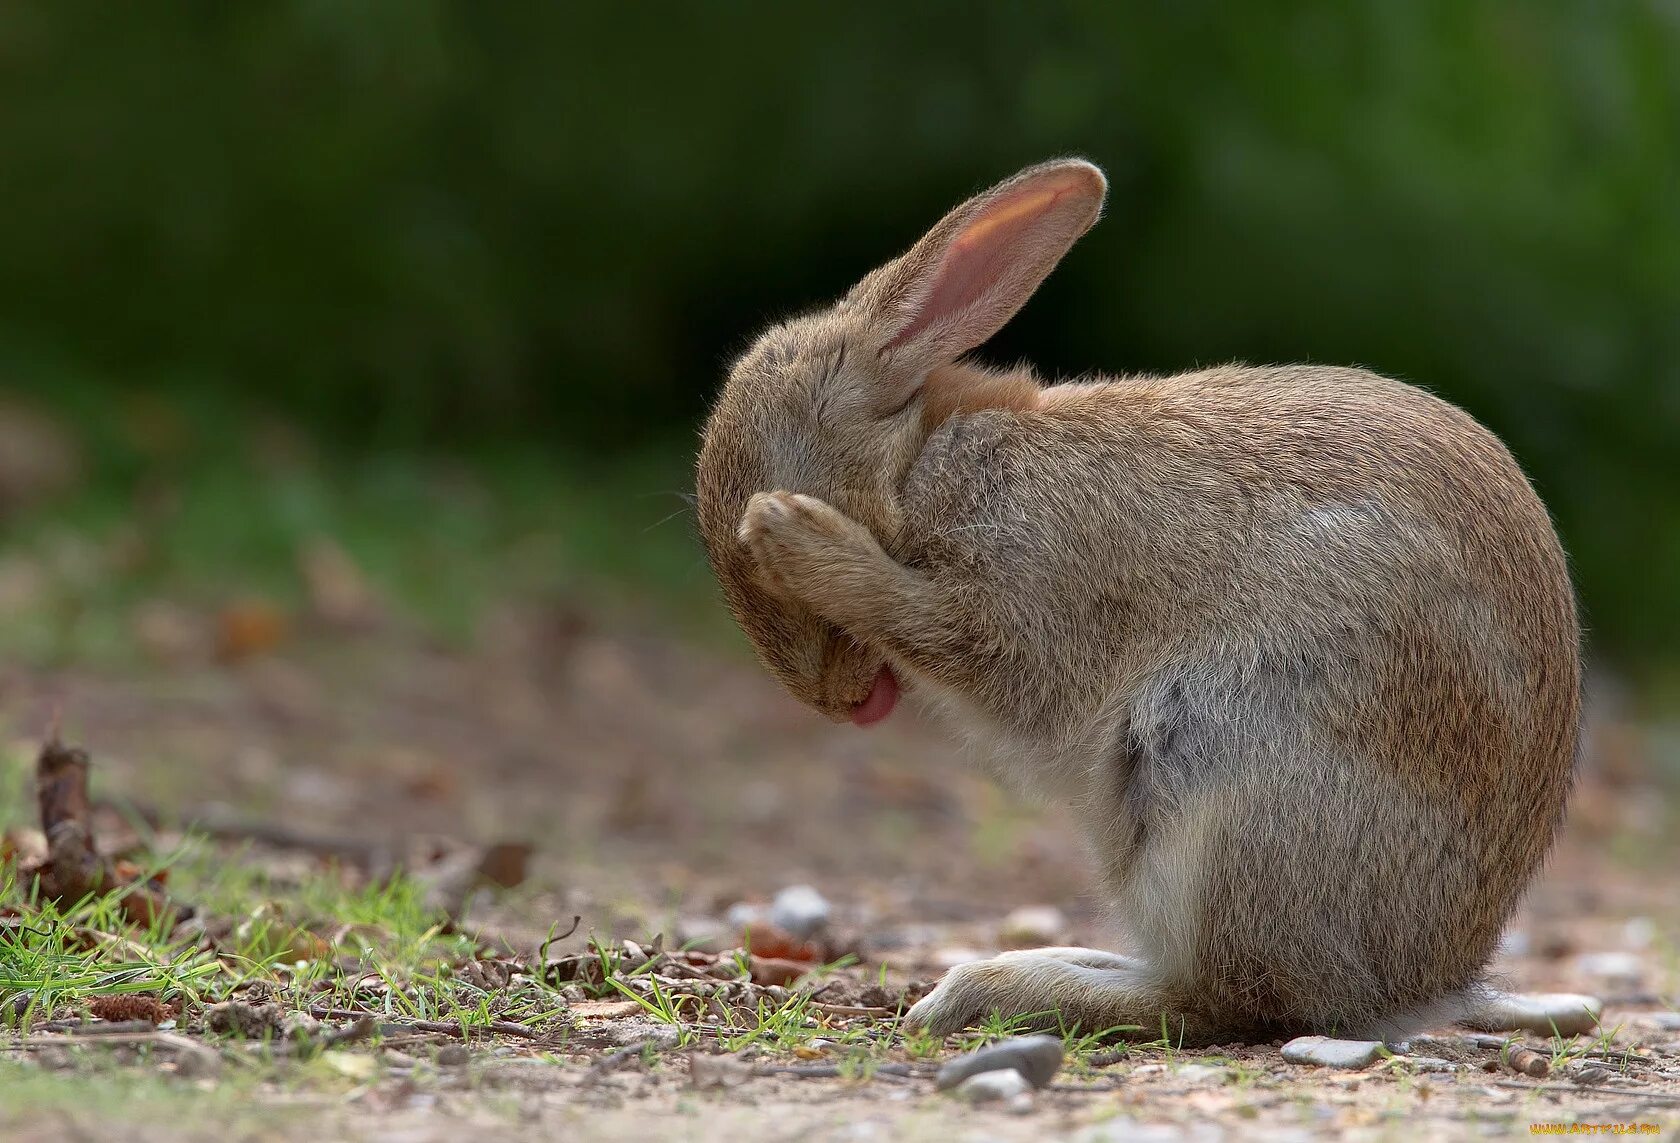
pixel 1297 645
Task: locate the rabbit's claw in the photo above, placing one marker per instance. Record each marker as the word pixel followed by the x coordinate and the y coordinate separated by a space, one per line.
pixel 1049 988
pixel 1010 987
pixel 798 540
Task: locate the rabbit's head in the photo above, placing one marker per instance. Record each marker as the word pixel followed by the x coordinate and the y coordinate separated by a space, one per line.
pixel 836 405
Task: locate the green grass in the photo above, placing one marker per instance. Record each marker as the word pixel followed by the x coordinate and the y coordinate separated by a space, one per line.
pixel 53 961
pixel 439 543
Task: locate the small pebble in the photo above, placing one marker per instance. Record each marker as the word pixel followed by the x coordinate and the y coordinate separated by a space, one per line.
pixel 453 1055
pixel 1667 1021
pixel 742 914
pixel 636 1033
pixel 1328 1053
pixel 1591 1074
pixel 706 1071
pixel 1036 1058
pixel 994 1087
pixel 1425 1064
pixel 707 934
pixel 799 910
pixel 1198 1072
pixel 205 1064
pixel 1033 926
pixel 1639 932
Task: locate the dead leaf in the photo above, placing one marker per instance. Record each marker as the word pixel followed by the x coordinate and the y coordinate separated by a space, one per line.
pixel 767 940
pixel 503 864
pixel 248 628
pixel 775 970
pixel 338 592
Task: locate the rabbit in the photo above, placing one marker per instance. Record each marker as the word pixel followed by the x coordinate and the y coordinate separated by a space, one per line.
pixel 1296 645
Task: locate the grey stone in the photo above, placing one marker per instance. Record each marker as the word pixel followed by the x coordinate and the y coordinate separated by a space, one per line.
pixel 1328 1053
pixel 197 1062
pixel 1590 1074
pixel 635 1033
pixel 993 1087
pixel 1037 1058
pixel 800 910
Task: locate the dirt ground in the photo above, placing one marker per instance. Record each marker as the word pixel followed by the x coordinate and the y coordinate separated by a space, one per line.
pixel 662 784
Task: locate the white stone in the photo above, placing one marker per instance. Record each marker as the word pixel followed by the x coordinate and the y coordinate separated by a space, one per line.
pixel 993 1087
pixel 1328 1053
pixel 743 913
pixel 800 910
pixel 1199 1072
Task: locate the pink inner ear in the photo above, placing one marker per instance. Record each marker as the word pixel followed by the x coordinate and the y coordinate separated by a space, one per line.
pixel 992 265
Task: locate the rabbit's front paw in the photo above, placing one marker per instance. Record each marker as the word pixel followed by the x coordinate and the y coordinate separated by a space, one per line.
pixel 1010 987
pixel 798 541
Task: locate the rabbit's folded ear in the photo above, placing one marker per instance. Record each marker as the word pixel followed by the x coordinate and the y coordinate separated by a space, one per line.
pixel 970 274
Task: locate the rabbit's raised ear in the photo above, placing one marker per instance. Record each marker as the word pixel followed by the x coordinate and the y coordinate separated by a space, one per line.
pixel 970 274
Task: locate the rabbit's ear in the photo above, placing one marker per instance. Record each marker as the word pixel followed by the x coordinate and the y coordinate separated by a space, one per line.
pixel 962 282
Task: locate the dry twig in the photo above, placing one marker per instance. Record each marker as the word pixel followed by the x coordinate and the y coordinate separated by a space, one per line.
pixel 74 871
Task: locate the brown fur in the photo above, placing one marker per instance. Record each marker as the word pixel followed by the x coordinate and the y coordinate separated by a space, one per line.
pixel 956 390
pixel 1297 643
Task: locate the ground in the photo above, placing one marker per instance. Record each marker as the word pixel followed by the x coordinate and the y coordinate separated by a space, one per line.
pixel 346 775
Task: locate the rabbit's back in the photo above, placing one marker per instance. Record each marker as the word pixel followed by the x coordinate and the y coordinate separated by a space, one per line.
pixel 1260 503
pixel 1305 654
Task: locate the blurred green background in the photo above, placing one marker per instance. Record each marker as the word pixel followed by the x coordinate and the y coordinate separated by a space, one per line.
pixel 454 282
